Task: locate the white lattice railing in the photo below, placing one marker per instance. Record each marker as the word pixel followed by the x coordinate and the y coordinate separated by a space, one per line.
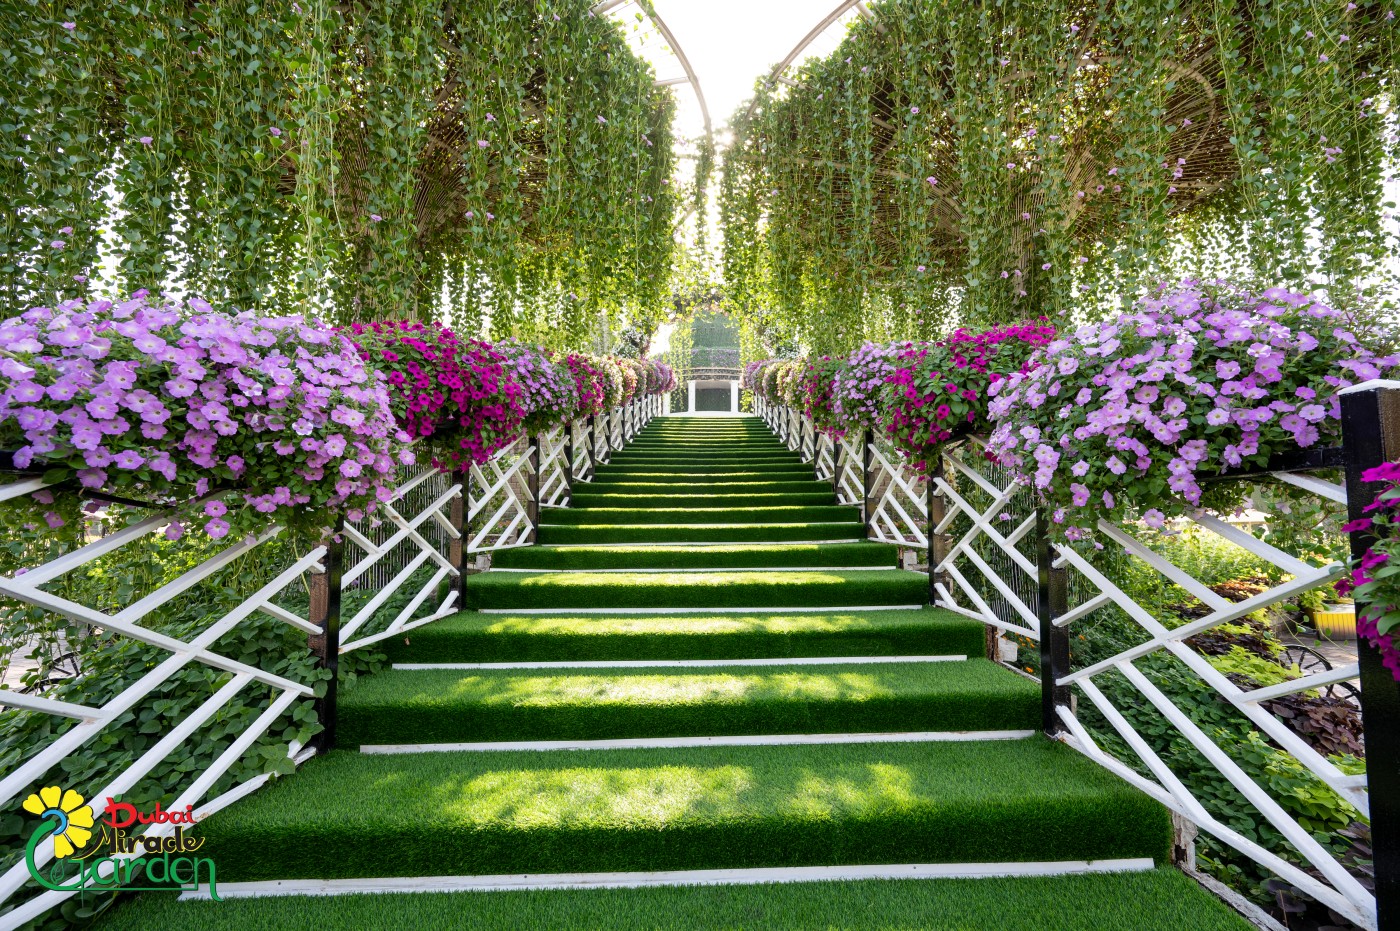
pixel 993 560
pixel 825 461
pixel 963 573
pixel 1327 880
pixel 850 471
pixel 200 650
pixel 508 490
pixel 412 547
pixel 424 536
pixel 502 500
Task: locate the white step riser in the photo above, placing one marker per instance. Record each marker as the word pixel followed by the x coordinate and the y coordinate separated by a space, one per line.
pixel 681 743
pixel 694 663
pixel 759 876
pixel 767 609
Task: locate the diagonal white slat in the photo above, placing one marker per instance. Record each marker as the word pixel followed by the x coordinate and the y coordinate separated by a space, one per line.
pixel 1324 878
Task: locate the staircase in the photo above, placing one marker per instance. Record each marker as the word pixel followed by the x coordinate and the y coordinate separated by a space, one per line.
pixel 702 669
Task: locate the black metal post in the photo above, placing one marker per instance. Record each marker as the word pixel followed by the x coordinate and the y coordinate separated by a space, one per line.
pixel 838 448
pixel 532 482
pixel 324 592
pixel 459 553
pixel 938 543
pixel 932 557
pixel 1052 600
pixel 866 440
pixel 569 462
pixel 1371 436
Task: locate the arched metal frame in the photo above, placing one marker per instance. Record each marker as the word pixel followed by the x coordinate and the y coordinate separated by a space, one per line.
pixel 826 23
pixel 690 78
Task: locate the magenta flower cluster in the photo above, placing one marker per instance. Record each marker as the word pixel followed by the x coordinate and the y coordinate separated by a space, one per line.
pixel 590 383
pixel 1375 578
pixel 858 386
pixel 919 395
pixel 816 384
pixel 1136 411
pixel 260 417
pixel 455 393
pixel 548 393
pixel 602 382
pixel 940 391
pixel 168 401
pixel 661 378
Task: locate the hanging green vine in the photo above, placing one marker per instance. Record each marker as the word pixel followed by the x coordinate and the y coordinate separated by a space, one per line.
pixel 506 164
pixel 978 162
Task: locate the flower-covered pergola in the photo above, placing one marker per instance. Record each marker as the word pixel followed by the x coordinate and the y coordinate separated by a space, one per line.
pixel 987 162
pixel 366 160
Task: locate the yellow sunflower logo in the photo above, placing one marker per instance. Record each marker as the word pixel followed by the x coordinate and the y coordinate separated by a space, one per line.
pixel 73 819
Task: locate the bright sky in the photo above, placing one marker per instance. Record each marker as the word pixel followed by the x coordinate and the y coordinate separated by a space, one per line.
pixel 729 44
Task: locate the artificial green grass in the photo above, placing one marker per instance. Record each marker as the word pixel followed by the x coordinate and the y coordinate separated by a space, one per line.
pixel 773 556
pixel 662 441
pixel 741 466
pixel 1160 898
pixel 716 448
pixel 715 441
pixel 694 428
pixel 446 705
pixel 759 436
pixel 560 534
pixel 797 486
pixel 592 499
pixel 695 479
pixel 772 514
pixel 675 450
pixel 500 638
pixel 717 460
pixel 717 589
pixel 433 814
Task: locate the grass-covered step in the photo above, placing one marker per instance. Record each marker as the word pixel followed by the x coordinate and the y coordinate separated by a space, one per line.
pixel 744 556
pixel 700 499
pixel 739 436
pixel 348 814
pixel 720 464
pixel 604 534
pixel 1160 898
pixel 801 486
pixel 692 426
pixel 464 706
pixel 737 477
pixel 470 637
pixel 687 442
pixel 717 458
pixel 712 589
pixel 708 468
pixel 706 453
pixel 710 443
pixel 772 514
pixel 757 437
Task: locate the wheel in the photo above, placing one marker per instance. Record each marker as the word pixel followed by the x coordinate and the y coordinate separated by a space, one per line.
pixel 1306 659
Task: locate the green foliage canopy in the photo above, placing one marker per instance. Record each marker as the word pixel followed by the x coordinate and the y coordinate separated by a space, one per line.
pixel 362 160
pixel 994 160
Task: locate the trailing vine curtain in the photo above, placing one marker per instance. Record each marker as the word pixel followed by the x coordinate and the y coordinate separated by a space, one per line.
pixel 982 161
pixel 507 161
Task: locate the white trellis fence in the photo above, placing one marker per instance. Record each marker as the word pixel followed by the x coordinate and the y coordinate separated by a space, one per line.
pixel 993 559
pixel 401 570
